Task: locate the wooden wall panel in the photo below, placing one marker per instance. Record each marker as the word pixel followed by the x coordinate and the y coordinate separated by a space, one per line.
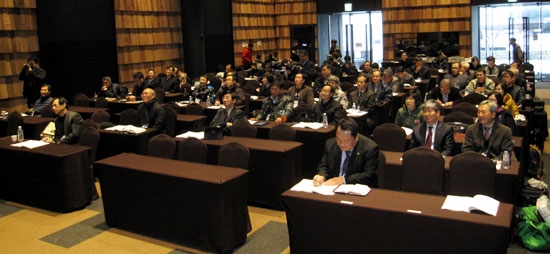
pixel 149 35
pixel 18 41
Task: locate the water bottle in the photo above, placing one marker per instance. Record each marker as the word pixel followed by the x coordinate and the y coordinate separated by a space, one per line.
pixel 267 117
pixel 190 99
pixel 208 101
pixel 506 160
pixel 20 134
pixel 325 120
pixel 354 107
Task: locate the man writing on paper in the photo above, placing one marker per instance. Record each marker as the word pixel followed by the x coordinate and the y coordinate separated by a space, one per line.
pixel 349 158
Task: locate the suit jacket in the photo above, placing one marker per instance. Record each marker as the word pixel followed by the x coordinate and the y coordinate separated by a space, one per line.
pixel 305 95
pixel 454 95
pixel 459 82
pixel 367 101
pixel 362 165
pixel 113 92
pixel 424 72
pixel 152 115
pixel 170 85
pixel 235 115
pixel 384 93
pixel 285 103
pixel 444 140
pixel 68 130
pixel 332 108
pixel 499 141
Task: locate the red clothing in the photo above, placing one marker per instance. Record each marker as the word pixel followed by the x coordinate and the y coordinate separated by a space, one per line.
pixel 247 57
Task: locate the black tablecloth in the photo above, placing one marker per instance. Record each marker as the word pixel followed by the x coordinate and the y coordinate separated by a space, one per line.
pixel 116 142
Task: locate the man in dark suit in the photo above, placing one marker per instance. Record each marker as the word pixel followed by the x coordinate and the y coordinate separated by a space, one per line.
pixel 488 136
pixel 302 93
pixel 349 158
pixel 225 117
pixel 67 123
pixel 445 94
pixel 419 71
pixel 170 83
pixel 364 99
pixel 432 133
pixel 305 66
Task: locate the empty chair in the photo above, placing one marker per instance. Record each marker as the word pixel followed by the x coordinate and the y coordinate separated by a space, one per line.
pixel 304 113
pixel 390 137
pixel 129 116
pixel 192 150
pixel 243 129
pixel 173 106
pixel 14 120
pixel 78 95
pixel 91 123
pixel 101 103
pixel 470 174
pixel 234 155
pixel 170 117
pixel 250 87
pixel 282 132
pixel 47 111
pixel 458 117
pixel 124 91
pixel 423 170
pixel 465 107
pixel 89 136
pixel 159 95
pixel 101 116
pixel 194 109
pixel 81 100
pixel 474 98
pixel 162 146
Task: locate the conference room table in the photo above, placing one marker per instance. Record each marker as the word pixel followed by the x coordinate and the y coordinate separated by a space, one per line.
pixel 117 105
pixel 208 111
pixel 86 112
pixel 32 126
pixel 186 122
pixel 116 142
pixel 274 166
pixel 55 177
pixel 387 221
pixel 313 141
pixel 505 186
pixel 183 202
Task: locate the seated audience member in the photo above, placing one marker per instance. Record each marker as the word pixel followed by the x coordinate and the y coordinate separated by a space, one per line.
pixel 405 61
pixel 277 107
pixel 511 87
pixel 45 100
pixel 67 123
pixel 481 84
pixel 432 133
pixel 503 115
pixel 225 117
pixel 203 89
pixel 488 136
pixel 110 89
pixel 150 113
pixel 383 94
pixel 363 98
pixel 419 71
pixel 441 63
pixel 140 85
pixel 491 68
pixel 184 85
pixel 349 158
pixel 326 71
pixel 348 68
pixel 169 82
pixel 404 77
pixel 366 69
pixel 411 113
pixel 339 95
pixel 265 86
pixel 508 101
pixel 392 81
pixel 151 80
pixel 230 86
pixel 445 95
pixel 302 93
pixel 458 80
pixel 328 105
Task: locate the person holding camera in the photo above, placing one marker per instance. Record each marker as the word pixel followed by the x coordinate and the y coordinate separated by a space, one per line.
pixel 33 78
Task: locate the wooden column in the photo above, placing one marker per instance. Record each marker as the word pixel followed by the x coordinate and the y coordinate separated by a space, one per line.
pixel 292 12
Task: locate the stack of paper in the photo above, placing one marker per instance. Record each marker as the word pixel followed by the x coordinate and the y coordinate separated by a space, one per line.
pixel 30 144
pixel 306 185
pixel 126 128
pixel 308 125
pixel 353 189
pixel 467 204
pixel 192 134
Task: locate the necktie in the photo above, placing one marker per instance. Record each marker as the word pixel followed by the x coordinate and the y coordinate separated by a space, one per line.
pixel 226 115
pixel 429 138
pixel 345 164
pixel 360 95
pixel 487 133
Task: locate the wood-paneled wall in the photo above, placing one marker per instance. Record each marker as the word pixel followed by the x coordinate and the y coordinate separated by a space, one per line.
pixel 18 41
pixel 403 19
pixel 149 35
pixel 269 21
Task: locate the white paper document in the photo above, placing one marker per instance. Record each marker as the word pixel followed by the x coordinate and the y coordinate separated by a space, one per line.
pixel 306 185
pixel 192 134
pixel 127 128
pixel 357 113
pixel 353 189
pixel 30 144
pixel 467 204
pixel 408 131
pixel 308 125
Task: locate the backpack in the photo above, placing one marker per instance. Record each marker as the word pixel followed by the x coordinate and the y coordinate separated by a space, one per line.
pixel 535 168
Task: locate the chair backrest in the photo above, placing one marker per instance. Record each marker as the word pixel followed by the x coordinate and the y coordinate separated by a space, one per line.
pixel 192 150
pixel 124 91
pixel 171 118
pixel 470 174
pixel 159 94
pixel 78 95
pixel 129 116
pixel 243 129
pixel 465 107
pixel 282 132
pixel 101 103
pixel 381 168
pixel 101 116
pixel 89 136
pixel 423 170
pixel 458 117
pixel 390 137
pixel 162 146
pixel 91 123
pixel 14 120
pixel 81 100
pixel 47 111
pixel 250 87
pixel 194 109
pixel 173 106
pixel 234 155
pixel 304 113
pixel 474 98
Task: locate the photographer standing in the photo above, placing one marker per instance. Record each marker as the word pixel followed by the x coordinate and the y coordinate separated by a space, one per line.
pixel 33 78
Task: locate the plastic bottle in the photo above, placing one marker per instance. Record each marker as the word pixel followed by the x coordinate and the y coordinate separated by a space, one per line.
pixel 354 107
pixel 506 159
pixel 20 134
pixel 190 99
pixel 208 101
pixel 267 117
pixel 325 120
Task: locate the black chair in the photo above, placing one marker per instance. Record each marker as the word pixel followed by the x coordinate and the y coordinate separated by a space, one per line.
pixel 173 106
pixel 234 155
pixel 458 117
pixel 129 116
pixel 381 168
pixel 282 132
pixel 474 98
pixel 89 136
pixel 243 129
pixel 192 150
pixel 470 174
pixel 423 170
pixel 162 146
pixel 91 123
pixel 124 91
pixel 465 107
pixel 250 87
pixel 81 100
pixel 304 113
pixel 194 109
pixel 14 121
pixel 171 117
pixel 47 111
pixel 101 103
pixel 390 137
pixel 100 116
pixel 159 94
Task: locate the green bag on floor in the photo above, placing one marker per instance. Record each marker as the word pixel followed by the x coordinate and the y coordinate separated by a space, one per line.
pixel 534 232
